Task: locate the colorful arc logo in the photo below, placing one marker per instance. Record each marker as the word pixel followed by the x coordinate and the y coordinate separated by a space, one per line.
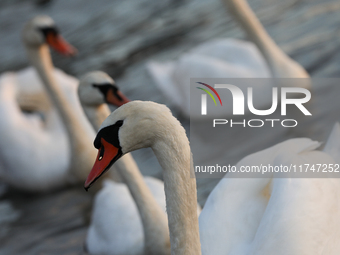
pixel 208 92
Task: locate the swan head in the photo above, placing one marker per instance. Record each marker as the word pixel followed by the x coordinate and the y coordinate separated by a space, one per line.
pixel 41 30
pixel 96 88
pixel 135 125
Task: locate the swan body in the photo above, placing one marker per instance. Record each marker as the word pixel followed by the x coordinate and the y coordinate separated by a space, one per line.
pixel 241 216
pixel 273 215
pixel 116 226
pixel 228 58
pixel 219 58
pixel 30 145
pixel 39 137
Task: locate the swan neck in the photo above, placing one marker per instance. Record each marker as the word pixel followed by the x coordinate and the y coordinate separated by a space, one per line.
pixel 96 114
pixel 41 59
pixel 174 155
pixel 154 221
pixel 82 153
pixel 256 31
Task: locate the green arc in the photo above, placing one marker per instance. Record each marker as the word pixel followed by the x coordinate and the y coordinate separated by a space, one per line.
pixel 208 93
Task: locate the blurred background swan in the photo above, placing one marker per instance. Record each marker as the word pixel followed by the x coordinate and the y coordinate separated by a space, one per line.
pixel 228 58
pixel 39 137
pixel 33 130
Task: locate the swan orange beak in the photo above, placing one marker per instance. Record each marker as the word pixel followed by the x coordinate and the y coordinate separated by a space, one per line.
pixel 58 43
pixel 107 155
pixel 113 99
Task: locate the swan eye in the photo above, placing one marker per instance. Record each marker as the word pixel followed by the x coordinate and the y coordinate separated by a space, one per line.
pixel 101 153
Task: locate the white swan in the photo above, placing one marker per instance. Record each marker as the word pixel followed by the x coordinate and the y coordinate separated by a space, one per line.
pixel 119 134
pixel 33 152
pixel 279 63
pixel 273 216
pixel 241 216
pixel 95 90
pixel 34 149
pixel 36 33
pixel 116 226
pixel 228 58
pixel 126 219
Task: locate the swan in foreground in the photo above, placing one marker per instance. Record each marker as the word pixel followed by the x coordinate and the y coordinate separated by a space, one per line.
pixel 228 58
pixel 126 219
pixel 30 125
pixel 274 215
pixel 36 34
pixel 241 216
